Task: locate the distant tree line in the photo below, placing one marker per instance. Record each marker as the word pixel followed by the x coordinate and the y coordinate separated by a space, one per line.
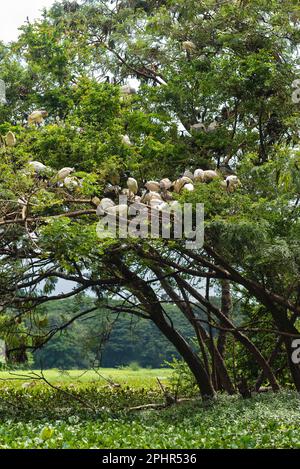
pixel 121 342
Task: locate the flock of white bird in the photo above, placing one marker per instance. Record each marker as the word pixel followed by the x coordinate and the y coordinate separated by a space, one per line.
pixel 156 194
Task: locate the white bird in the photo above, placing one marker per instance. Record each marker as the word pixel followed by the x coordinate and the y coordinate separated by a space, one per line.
pixel 199 175
pixel 188 46
pixel 165 184
pixel 153 186
pixel 188 187
pixel 37 166
pixel 198 127
pixel 232 183
pixel 126 140
pixel 104 205
pixel 10 139
pixel 179 183
pixel 159 205
pixel 149 196
pixel 209 175
pixel 127 90
pixel 132 185
pixel 64 172
pixel 137 208
pixel 37 117
pixel 212 126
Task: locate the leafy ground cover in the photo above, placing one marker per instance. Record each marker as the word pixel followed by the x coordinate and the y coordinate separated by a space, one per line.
pixel 88 415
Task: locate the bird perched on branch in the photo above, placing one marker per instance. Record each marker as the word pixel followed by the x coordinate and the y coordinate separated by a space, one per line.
pixel 153 186
pixel 126 140
pixel 165 184
pixel 198 127
pixel 212 126
pixel 104 205
pixel 37 166
pixel 189 187
pixel 2 92
pixel 132 185
pixel 199 175
pixel 180 182
pixel 188 46
pixel 126 90
pixel 232 183
pixel 209 175
pixel 37 117
pixel 10 139
pixel 64 172
pixel 24 204
pixel 149 196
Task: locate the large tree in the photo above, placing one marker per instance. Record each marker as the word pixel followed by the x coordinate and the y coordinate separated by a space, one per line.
pixel 230 64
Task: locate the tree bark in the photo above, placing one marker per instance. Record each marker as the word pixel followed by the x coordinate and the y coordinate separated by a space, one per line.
pixel 149 300
pixel 201 333
pixel 226 306
pixel 285 325
pixel 270 361
pixel 238 335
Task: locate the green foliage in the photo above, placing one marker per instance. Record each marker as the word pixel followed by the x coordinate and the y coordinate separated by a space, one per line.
pixel 238 72
pixel 265 421
pixel 98 339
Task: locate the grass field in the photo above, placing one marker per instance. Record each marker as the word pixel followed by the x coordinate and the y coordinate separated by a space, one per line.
pixel 84 412
pixel 125 376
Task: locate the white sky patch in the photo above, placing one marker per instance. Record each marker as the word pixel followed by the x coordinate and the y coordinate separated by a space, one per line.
pixel 13 14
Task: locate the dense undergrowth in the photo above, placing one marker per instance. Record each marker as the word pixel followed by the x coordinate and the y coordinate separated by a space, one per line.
pixel 93 416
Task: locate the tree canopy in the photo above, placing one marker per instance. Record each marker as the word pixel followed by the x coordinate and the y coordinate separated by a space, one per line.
pixel 228 66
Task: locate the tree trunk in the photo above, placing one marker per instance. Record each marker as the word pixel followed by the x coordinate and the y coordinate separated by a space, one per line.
pixel 285 325
pixel 187 353
pixel 270 361
pixel 221 369
pixel 238 335
pixel 226 305
pixel 146 295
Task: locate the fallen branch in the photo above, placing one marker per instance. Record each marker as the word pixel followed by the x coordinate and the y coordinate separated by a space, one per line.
pixel 165 405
